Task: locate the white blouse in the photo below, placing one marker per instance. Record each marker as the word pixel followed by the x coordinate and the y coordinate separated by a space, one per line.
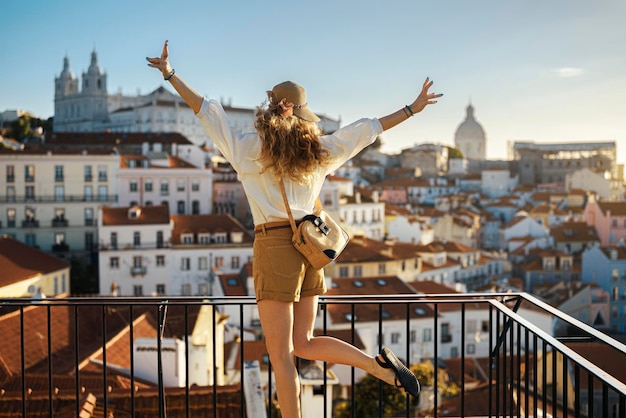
pixel 263 191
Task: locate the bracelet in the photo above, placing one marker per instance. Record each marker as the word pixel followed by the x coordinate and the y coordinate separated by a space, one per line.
pixel 407 107
pixel 170 76
pixel 408 115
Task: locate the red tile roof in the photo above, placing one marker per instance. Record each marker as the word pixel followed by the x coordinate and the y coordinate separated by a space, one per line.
pixel 19 261
pixel 142 215
pixel 210 224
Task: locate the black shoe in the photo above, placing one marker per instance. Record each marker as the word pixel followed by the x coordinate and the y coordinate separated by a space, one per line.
pixel 404 377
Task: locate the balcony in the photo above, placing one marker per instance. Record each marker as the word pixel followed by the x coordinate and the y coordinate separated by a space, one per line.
pixel 30 223
pixel 60 248
pixel 59 222
pixel 125 356
pixel 52 198
pixel 138 271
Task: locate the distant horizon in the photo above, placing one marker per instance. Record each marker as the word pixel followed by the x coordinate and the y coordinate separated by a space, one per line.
pixel 547 72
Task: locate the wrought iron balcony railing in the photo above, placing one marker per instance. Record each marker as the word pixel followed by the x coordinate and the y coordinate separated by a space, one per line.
pixel 129 357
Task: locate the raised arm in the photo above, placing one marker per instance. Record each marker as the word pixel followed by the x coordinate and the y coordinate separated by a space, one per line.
pixel 425 98
pixel 189 95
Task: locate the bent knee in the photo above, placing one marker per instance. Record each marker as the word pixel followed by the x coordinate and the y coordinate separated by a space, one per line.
pixel 303 348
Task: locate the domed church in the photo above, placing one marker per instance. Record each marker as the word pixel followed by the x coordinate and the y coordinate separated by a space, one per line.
pixel 470 137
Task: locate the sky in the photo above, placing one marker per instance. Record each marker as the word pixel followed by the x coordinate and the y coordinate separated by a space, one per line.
pixel 545 71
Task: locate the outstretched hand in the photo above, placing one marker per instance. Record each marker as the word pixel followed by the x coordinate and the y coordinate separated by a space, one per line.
pixel 161 63
pixel 425 98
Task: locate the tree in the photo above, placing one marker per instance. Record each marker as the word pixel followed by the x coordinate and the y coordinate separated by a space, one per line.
pixel 454 152
pixel 366 400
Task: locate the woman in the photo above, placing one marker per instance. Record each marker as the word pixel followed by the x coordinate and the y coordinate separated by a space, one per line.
pixel 288 144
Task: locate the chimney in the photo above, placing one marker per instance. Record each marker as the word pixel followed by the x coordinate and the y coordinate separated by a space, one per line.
pixel 357 198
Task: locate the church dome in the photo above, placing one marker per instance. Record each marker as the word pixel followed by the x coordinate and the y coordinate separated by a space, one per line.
pixel 469 129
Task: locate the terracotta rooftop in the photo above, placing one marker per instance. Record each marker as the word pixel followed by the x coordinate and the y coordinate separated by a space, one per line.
pixel 19 261
pixel 210 224
pixel 574 232
pixel 136 215
pixel 369 312
pixel 616 208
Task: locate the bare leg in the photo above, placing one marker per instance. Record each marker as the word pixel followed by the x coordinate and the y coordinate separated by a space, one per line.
pixel 329 349
pixel 277 320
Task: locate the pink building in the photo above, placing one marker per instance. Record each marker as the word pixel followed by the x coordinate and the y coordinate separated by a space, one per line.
pixel 609 218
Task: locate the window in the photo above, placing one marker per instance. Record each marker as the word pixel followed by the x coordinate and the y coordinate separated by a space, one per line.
pixel 413 336
pixel 102 173
pixel 614 223
pixel 148 185
pixel 165 188
pixel 88 193
pixel 195 207
pixel 114 240
pixel 88 173
pixel 203 289
pixel 195 186
pixel 471 349
pixel 358 271
pixel 203 263
pixel 186 238
pixel 484 326
pixel 114 262
pixel 29 214
pixel 454 352
pixel 204 238
pixel 10 193
pixel 29 192
pixel 180 185
pixel 381 268
pixel 10 218
pixel 427 335
pixel 59 238
pixel 159 239
pixel 160 260
pixel 58 173
pixel 30 239
pixel 10 173
pixel 136 238
pixel 138 290
pixel 59 214
pixel 185 264
pixel 395 338
pixel 133 185
pixel 59 193
pixel 89 241
pixel 160 289
pixel 219 262
pixel 103 193
pixel 185 289
pixel 180 207
pixel 29 173
pixel 89 217
pixel 343 271
pixel 137 261
pixel 235 262
pixel 445 333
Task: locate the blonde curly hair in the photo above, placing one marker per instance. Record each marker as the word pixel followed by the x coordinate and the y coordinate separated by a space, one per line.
pixel 290 146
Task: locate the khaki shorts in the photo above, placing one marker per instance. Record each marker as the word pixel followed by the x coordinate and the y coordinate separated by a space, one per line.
pixel 280 271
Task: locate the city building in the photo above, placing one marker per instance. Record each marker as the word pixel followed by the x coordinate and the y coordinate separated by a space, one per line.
pixel 606 267
pixel 49 199
pixel 609 219
pixel 550 163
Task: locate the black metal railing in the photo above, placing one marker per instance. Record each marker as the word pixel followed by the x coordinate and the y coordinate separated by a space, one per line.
pixel 121 356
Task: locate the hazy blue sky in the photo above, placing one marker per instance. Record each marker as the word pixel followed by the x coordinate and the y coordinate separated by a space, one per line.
pixel 543 70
